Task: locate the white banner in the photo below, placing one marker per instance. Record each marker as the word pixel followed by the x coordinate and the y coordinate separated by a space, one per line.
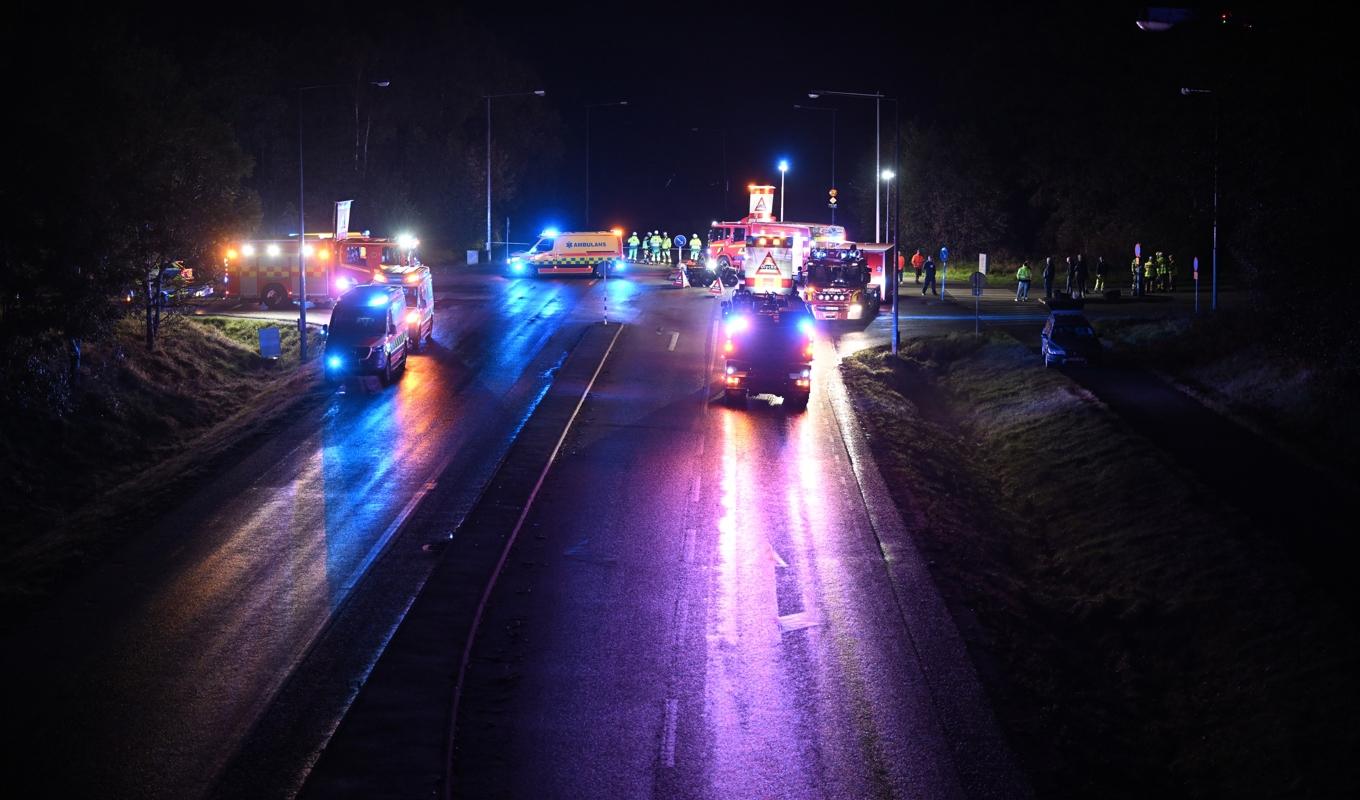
pixel 342 218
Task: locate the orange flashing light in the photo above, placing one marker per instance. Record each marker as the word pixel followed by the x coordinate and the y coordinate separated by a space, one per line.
pixel 379 277
pixel 412 317
pixel 231 253
pixel 412 278
pixel 729 347
pixel 616 231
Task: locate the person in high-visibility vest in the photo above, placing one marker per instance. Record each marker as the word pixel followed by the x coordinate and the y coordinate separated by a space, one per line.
pixel 1022 278
pixel 696 248
pixel 666 245
pixel 1161 271
pixel 633 242
pixel 656 247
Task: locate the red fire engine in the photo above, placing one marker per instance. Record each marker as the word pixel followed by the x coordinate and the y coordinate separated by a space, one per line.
pixel 266 270
pixel 728 241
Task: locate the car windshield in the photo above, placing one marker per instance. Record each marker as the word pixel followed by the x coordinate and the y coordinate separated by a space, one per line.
pixel 1078 328
pixel 412 293
pixel 542 245
pixel 359 317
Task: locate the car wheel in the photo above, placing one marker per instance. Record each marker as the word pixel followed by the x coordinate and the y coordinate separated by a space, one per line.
pixel 275 296
pixel 386 375
pixel 797 402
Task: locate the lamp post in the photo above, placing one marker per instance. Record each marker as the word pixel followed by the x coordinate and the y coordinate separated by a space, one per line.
pixel 878 137
pixel 588 108
pixel 488 98
pixel 1213 296
pixel 783 168
pixel 886 177
pixel 833 146
pixel 302 219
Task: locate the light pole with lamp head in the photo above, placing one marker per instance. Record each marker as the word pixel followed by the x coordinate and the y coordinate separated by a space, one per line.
pixel 783 168
pixel 302 219
pixel 833 146
pixel 488 98
pixel 1213 297
pixel 588 108
pixel 878 149
pixel 886 177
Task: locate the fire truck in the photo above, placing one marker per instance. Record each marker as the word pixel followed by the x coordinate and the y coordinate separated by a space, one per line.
pixel 838 284
pixel 728 241
pixel 768 350
pixel 266 270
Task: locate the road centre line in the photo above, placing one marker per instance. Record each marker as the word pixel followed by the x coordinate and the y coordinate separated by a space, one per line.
pixel 668 736
pixel 675 337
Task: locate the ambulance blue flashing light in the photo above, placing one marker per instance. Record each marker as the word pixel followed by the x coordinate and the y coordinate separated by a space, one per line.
pixel 619 265
pixel 805 325
pixel 334 362
pixel 737 325
pixel 378 300
pixel 550 233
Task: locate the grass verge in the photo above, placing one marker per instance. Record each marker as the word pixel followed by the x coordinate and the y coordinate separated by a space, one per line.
pixel 1137 639
pixel 137 429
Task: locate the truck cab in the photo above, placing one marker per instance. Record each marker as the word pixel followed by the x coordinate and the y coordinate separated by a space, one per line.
pixel 418 286
pixel 368 334
pixel 838 284
pixel 768 349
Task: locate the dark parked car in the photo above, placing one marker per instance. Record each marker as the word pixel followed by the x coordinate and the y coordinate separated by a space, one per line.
pixel 178 285
pixel 1069 338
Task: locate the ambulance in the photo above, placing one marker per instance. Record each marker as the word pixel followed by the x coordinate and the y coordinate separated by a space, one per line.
pixel 592 253
pixel 418 286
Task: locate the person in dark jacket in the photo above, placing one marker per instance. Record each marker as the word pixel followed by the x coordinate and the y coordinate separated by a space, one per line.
pixel 1071 275
pixel 1081 276
pixel 1048 278
pixel 1100 275
pixel 930 278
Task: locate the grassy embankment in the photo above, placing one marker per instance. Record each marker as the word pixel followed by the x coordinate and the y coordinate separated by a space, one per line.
pixel 1138 638
pixel 138 429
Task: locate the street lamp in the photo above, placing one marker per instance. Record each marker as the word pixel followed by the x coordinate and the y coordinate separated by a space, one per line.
pixel 302 219
pixel 833 146
pixel 588 108
pixel 488 98
pixel 878 150
pixel 886 177
pixel 1213 297
pixel 783 168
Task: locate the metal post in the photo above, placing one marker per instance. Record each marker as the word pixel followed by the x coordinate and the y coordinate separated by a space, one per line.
pixel 781 194
pixel 507 240
pixel 302 257
pixel 833 161
pixel 488 179
pixel 586 221
pixel 1213 303
pixel 878 155
pixel 897 223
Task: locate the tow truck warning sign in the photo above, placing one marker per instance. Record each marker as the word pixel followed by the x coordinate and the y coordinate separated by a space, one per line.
pixel 768 267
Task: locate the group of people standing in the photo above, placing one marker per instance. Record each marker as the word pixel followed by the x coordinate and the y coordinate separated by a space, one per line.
pixel 1078 278
pixel 657 247
pixel 1155 273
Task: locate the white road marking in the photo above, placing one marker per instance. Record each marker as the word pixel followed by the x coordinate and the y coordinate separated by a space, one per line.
pixel 694 489
pixel 689 544
pixel 798 621
pixel 668 737
pixel 675 337
pixel 778 560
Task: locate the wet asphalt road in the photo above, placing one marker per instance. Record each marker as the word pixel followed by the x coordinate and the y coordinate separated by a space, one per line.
pixel 700 607
pixel 144 677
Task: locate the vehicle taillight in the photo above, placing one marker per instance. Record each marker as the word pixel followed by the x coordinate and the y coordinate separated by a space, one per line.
pixel 807 351
pixel 412 317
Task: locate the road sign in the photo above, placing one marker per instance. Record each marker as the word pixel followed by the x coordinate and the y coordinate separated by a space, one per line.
pixel 982 263
pixel 679 240
pixel 944 253
pixel 1137 250
pixel 979 281
pixel 1196 267
pixel 269 343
